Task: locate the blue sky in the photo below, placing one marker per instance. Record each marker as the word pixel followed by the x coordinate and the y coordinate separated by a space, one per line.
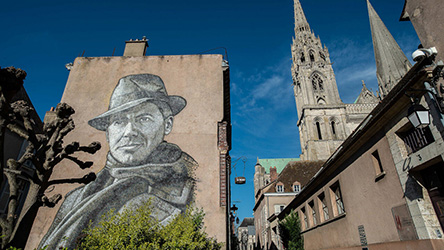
pixel 42 36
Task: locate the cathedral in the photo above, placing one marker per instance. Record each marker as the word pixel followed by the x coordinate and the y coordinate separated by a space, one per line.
pixel 324 121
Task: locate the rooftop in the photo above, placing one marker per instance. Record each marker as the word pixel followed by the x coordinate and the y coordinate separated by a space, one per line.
pixel 279 163
pixel 247 222
pixel 301 171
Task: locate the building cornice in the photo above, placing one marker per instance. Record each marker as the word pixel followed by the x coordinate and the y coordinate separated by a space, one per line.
pixel 280 194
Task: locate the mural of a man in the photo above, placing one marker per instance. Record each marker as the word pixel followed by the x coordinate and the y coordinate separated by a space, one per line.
pixel 140 164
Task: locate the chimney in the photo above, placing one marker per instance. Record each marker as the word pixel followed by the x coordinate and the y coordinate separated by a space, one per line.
pixel 273 174
pixel 136 47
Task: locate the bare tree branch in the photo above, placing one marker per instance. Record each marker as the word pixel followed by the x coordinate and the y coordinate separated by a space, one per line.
pixel 84 180
pixel 45 150
pixel 51 202
pixel 92 148
pixel 18 130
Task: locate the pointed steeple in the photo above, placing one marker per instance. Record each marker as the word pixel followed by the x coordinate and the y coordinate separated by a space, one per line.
pixel 391 62
pixel 366 96
pixel 300 22
pixel 313 77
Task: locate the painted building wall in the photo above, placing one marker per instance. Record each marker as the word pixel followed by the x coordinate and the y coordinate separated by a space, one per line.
pixel 200 80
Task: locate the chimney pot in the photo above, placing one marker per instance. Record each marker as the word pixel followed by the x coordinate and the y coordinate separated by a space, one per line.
pixel 273 173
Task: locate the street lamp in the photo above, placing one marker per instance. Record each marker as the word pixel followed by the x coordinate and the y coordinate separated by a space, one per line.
pixel 418 116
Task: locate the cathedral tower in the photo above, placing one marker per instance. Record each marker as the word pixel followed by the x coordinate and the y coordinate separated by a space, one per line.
pixel 324 120
pixel 313 76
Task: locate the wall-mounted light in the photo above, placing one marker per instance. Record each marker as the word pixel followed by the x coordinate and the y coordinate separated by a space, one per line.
pixel 418 116
pixel 234 208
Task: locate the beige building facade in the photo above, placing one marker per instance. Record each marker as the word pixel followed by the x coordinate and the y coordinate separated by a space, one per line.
pixel 192 95
pixel 275 195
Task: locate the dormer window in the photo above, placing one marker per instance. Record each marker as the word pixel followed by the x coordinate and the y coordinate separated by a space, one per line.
pixel 279 188
pixel 296 187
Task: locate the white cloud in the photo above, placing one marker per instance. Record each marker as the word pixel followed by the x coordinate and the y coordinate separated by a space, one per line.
pixel 353 62
pixel 266 95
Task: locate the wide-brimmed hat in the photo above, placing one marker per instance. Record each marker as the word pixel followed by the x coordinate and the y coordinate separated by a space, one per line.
pixel 134 90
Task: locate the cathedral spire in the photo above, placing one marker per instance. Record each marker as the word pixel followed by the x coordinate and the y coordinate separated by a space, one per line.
pixel 391 62
pixel 300 22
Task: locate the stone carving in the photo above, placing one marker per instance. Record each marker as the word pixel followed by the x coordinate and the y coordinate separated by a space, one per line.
pixel 140 164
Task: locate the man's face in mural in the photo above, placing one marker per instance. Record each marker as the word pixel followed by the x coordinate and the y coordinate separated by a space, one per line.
pixel 135 133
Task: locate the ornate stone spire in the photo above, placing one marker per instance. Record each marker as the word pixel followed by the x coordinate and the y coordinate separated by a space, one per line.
pixel 300 22
pixel 313 77
pixel 391 62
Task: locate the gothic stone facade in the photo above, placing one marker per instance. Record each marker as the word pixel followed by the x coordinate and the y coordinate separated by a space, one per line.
pixel 324 120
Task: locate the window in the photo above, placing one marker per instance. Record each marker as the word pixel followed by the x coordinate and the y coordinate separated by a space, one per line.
pixel 304 215
pixel 313 212
pixel 337 198
pixel 312 58
pixel 296 187
pixel 278 208
pixel 302 57
pixel 322 56
pixel 415 139
pixel 317 82
pixel 318 127
pixel 323 207
pixel 333 128
pixel 280 188
pixel 377 163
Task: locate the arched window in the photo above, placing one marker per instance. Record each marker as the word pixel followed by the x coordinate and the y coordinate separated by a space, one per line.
pixel 322 56
pixel 333 128
pixel 302 57
pixel 318 127
pixel 318 83
pixel 312 57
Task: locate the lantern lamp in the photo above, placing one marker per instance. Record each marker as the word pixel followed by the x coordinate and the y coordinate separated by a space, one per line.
pixel 419 116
